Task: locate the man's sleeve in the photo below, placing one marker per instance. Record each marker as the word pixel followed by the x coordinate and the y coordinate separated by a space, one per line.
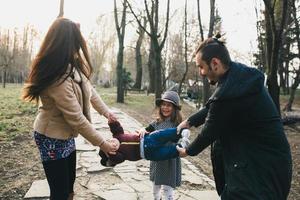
pixel 218 118
pixel 198 118
pixel 150 128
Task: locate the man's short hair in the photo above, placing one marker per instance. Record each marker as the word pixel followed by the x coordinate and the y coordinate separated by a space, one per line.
pixel 213 48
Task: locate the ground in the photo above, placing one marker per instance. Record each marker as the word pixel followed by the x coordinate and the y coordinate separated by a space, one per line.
pixel 20 162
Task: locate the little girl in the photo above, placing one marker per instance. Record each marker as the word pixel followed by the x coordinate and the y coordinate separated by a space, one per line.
pixel 166 175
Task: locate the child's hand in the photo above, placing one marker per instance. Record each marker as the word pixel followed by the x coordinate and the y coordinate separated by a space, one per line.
pixel 181 151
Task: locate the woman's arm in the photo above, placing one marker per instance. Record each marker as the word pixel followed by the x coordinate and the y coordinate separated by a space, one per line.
pixel 100 106
pixel 67 102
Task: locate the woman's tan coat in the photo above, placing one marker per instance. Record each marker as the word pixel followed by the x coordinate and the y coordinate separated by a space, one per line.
pixel 64 110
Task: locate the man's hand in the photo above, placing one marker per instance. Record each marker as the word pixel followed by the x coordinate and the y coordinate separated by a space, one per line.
pixel 181 151
pixel 184 124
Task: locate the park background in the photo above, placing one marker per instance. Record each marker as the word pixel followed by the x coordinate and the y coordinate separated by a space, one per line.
pixel 136 56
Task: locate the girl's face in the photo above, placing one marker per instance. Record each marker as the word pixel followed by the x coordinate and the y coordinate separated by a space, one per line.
pixel 166 108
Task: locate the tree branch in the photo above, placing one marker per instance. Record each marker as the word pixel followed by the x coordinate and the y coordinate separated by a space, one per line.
pixel 166 25
pixel 138 21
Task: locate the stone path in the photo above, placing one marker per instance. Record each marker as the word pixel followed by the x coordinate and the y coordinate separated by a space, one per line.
pixel 126 181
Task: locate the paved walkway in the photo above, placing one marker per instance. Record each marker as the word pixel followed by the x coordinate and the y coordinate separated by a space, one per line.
pixel 126 181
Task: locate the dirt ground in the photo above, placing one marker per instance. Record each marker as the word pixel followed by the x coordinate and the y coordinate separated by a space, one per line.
pixel 20 162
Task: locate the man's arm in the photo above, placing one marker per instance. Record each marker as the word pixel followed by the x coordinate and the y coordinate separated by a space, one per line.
pixel 195 120
pixel 219 116
pixel 198 118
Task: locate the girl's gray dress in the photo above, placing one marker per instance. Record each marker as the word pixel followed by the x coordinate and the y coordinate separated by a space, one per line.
pixel 167 172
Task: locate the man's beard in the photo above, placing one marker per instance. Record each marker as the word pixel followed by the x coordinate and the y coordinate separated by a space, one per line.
pixel 211 82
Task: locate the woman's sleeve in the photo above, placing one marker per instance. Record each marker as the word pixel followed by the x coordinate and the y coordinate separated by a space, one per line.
pixel 98 103
pixel 66 101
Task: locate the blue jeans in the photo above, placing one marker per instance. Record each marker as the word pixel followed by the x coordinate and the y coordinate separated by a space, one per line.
pixel 155 147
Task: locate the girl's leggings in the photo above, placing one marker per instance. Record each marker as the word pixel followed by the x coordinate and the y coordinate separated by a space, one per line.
pixel 168 192
pixel 61 175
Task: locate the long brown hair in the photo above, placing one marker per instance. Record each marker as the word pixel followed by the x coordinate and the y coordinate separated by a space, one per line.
pixel 60 48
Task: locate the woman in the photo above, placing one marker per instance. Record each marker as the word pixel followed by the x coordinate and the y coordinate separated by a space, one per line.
pixel 59 81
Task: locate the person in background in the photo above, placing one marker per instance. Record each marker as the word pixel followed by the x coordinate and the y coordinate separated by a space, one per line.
pixel 166 175
pixel 242 116
pixel 59 82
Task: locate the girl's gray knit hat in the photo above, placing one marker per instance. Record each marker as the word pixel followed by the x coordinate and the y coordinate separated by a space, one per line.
pixel 169 96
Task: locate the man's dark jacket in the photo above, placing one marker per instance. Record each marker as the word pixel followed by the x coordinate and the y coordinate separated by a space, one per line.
pixel 255 150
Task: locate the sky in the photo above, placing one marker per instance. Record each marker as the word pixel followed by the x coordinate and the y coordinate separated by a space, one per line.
pixel 238 19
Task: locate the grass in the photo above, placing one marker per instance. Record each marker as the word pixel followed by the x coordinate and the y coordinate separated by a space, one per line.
pixel 16 116
pixel 134 100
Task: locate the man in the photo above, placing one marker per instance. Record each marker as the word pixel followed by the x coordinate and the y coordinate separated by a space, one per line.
pixel 241 115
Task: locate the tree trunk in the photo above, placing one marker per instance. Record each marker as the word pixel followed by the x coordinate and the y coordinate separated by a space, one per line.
pixel 296 83
pixel 138 57
pixel 288 106
pixel 61 9
pixel 4 77
pixel 151 68
pixel 275 22
pixel 185 49
pixel 199 20
pixel 139 68
pixel 272 80
pixel 206 86
pixel 157 71
pixel 121 33
pixel 120 85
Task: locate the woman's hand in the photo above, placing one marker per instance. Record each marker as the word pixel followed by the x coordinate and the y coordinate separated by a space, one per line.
pixel 108 148
pixel 111 117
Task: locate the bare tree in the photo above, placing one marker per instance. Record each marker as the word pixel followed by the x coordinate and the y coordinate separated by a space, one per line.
pixel 288 106
pixel 101 42
pixel 6 55
pixel 15 54
pixel 275 17
pixel 156 45
pixel 121 34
